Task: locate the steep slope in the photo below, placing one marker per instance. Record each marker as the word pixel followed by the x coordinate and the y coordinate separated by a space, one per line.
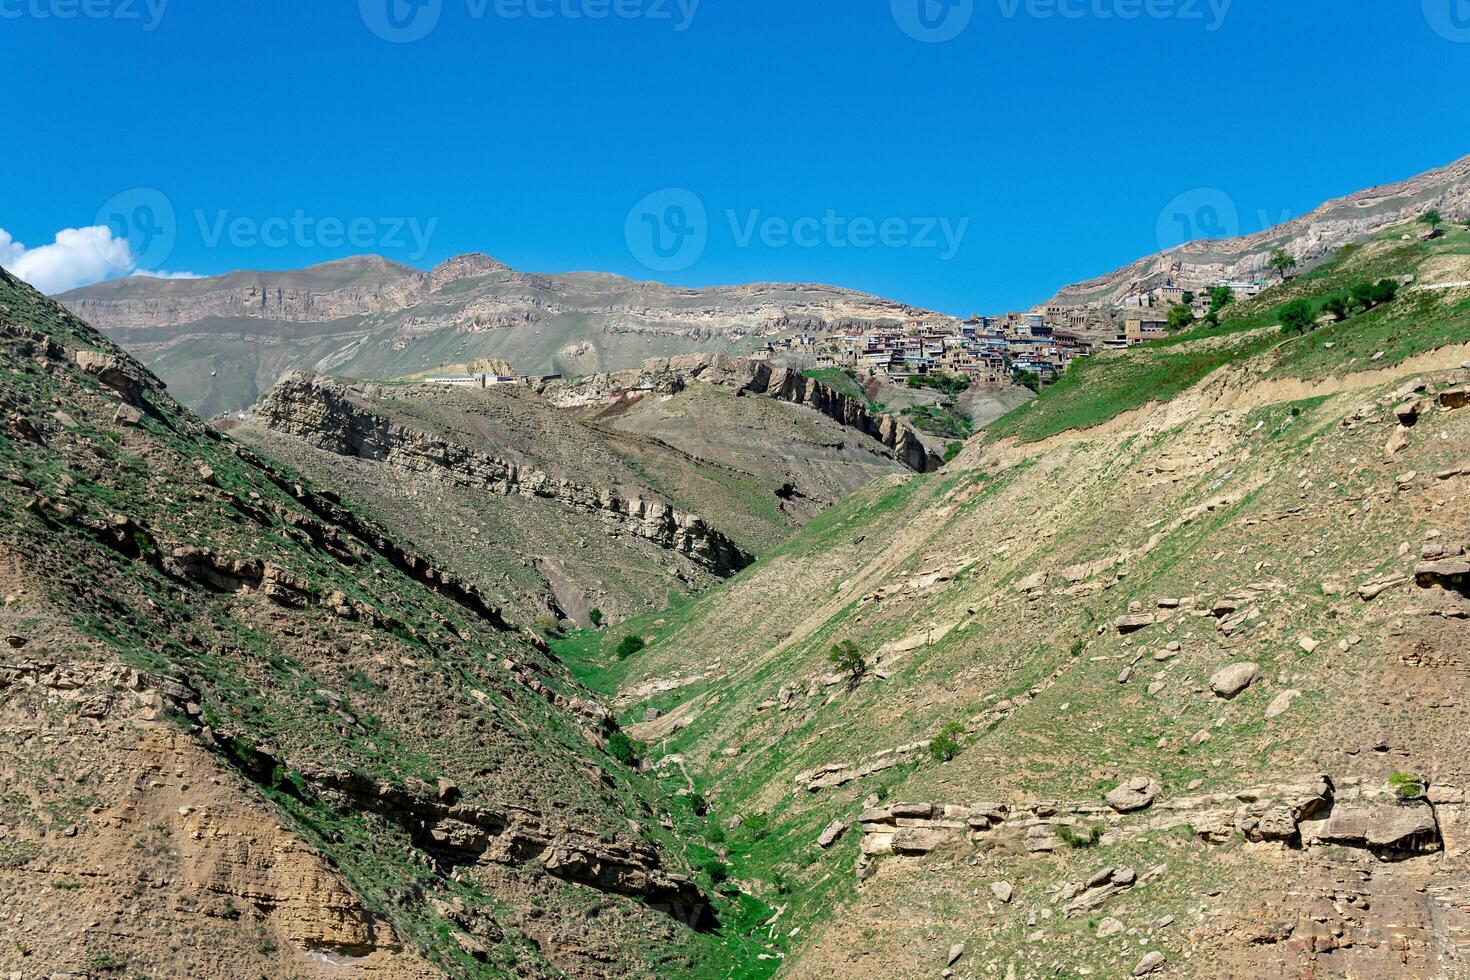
pixel 1172 679
pixel 564 514
pixel 1358 217
pixel 220 343
pixel 244 732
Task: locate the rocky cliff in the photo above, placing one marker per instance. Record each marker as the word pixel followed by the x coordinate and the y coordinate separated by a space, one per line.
pixel 324 414
pixel 369 318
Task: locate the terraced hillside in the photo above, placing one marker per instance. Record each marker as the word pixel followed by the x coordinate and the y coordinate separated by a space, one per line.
pixel 1166 673
pixel 221 342
pixel 574 515
pixel 244 732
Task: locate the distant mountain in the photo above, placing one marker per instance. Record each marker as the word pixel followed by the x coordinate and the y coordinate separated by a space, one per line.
pixel 220 343
pixel 1354 218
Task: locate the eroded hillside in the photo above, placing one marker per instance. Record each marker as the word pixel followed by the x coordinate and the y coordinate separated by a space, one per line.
pixel 567 513
pixel 245 732
pixel 1166 674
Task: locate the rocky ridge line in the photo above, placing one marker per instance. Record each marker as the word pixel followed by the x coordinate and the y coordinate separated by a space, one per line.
pixel 322 413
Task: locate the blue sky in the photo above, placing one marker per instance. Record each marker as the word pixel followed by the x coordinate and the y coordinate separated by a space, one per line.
pixel 807 140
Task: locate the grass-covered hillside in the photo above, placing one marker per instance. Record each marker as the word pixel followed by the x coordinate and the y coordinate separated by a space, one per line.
pixel 245 732
pixel 1418 320
pixel 908 721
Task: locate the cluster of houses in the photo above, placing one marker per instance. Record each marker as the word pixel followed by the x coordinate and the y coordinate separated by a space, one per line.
pixel 998 349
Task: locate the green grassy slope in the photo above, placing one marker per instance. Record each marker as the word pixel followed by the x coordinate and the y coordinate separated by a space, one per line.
pixel 1097 389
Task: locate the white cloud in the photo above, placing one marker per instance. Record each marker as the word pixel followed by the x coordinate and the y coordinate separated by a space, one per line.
pixel 163 274
pixel 78 257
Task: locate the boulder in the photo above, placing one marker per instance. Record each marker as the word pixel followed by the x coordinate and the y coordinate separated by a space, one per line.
pixel 832 834
pixel 955 952
pixel 1109 927
pixel 1232 679
pixel 921 811
pixel 1134 794
pixel 1135 622
pixel 1393 827
pixel 1455 398
pixel 1152 962
pixel 916 840
pixel 1002 891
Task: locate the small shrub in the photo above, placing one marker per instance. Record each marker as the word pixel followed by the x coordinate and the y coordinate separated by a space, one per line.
pixel 952 451
pixel 716 836
pixel 629 646
pixel 1406 785
pixel 945 745
pixel 1080 842
pixel 718 871
pixel 595 617
pixel 549 624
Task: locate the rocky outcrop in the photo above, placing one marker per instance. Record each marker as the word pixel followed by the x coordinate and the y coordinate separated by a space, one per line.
pixel 788 385
pixel 324 414
pixel 1304 813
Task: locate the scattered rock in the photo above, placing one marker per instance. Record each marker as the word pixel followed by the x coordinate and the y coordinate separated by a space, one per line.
pixel 1309 643
pixel 1002 891
pixel 1281 702
pixel 955 952
pixel 1109 927
pixel 1230 680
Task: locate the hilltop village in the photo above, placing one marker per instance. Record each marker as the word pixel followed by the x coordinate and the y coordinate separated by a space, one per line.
pixel 1032 348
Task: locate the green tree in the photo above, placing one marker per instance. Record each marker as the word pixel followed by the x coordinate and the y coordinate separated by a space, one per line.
pixel 623 748
pixel 1281 262
pixel 1432 218
pixel 1221 297
pixel 1180 317
pixel 1029 379
pixel 1339 306
pixel 595 617
pixel 848 659
pixel 629 646
pixel 1298 316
